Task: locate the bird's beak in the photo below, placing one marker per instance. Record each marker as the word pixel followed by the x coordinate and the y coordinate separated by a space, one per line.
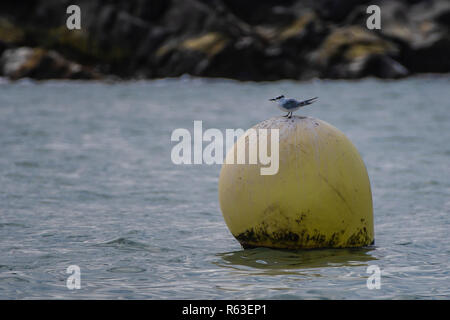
pixel 271 99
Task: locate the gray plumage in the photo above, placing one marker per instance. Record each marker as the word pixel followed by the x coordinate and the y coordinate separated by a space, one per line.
pixel 291 105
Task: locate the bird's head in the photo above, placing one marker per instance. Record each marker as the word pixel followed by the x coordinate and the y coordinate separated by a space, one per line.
pixel 277 98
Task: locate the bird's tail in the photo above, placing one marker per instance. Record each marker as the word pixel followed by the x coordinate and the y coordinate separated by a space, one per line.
pixel 309 101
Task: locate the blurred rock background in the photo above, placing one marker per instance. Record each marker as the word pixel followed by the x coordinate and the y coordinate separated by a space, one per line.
pixel 245 40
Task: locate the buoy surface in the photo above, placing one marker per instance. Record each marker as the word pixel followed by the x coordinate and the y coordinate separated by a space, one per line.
pixel 320 197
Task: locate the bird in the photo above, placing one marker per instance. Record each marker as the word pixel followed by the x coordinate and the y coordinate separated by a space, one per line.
pixel 291 105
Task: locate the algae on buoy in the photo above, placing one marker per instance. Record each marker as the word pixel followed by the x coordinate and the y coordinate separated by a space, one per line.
pixel 320 197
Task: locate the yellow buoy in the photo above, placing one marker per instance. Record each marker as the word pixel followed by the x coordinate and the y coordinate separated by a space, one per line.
pixel 320 197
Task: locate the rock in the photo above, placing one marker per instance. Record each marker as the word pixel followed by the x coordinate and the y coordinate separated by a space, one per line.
pixel 192 55
pixel 209 44
pixel 430 57
pixel 13 60
pixel 422 33
pixel 246 40
pixel 257 12
pixel 10 33
pixel 41 64
pixel 381 66
pixel 336 10
pixel 351 52
pixel 429 49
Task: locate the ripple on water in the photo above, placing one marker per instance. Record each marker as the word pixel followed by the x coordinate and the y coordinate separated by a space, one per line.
pixel 12 224
pixel 86 179
pixel 27 164
pixel 13 277
pixel 126 269
pixel 13 280
pixel 130 245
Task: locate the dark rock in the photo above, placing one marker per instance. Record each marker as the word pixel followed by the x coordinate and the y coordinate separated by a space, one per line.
pixel 353 52
pixel 257 12
pixel 382 66
pixel 247 40
pixel 422 32
pixel 337 10
pixel 432 57
pixel 41 64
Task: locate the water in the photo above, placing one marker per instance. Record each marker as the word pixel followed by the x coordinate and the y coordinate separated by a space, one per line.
pixel 86 179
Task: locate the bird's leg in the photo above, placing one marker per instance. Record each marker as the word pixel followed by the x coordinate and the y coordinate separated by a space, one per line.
pixel 289 115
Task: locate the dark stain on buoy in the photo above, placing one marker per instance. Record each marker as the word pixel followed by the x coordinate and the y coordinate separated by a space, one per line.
pixel 361 236
pixel 259 237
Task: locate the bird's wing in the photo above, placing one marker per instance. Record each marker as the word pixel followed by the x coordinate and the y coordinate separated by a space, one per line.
pixel 306 102
pixel 290 104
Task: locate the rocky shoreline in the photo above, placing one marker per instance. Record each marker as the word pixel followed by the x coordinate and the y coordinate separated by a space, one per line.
pixel 246 40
